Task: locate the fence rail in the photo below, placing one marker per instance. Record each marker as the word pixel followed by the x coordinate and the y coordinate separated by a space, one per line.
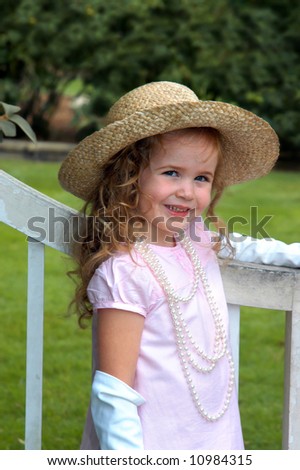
pixel 48 222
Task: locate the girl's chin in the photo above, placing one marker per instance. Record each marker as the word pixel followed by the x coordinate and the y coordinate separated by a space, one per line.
pixel 165 232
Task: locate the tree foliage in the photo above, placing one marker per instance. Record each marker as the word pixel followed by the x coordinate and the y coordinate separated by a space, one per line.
pixel 244 52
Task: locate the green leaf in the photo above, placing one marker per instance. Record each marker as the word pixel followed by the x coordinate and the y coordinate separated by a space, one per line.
pixel 24 126
pixel 9 109
pixel 8 128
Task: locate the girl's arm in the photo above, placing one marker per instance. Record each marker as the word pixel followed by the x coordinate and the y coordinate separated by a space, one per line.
pixel 264 251
pixel 119 336
pixel 114 402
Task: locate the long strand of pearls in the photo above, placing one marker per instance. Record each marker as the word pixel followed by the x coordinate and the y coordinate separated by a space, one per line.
pixel 184 337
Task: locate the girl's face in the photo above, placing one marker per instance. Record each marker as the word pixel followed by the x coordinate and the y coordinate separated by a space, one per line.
pixel 177 184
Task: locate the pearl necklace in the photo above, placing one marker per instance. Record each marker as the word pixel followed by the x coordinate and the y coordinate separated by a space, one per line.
pixel 183 334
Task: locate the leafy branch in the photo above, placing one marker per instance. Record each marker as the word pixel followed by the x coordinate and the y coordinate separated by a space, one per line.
pixel 9 120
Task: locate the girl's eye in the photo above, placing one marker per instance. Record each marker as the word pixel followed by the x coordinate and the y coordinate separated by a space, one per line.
pixel 171 173
pixel 201 178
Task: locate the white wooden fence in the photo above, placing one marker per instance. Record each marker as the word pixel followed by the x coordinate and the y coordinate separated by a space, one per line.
pixel 46 222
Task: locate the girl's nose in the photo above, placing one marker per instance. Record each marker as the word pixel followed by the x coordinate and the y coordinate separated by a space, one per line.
pixel 185 190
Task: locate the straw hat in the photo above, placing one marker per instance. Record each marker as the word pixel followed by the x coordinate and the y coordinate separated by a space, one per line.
pixel 250 145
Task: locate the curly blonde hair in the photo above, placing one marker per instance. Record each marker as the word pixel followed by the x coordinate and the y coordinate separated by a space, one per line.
pixel 104 228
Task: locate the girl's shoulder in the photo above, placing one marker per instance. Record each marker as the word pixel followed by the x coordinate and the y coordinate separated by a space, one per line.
pixel 123 280
pixel 121 266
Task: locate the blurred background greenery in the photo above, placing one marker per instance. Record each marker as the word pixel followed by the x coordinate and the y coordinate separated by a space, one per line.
pixel 90 52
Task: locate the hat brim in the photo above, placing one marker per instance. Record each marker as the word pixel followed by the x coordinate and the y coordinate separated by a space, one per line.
pixel 250 145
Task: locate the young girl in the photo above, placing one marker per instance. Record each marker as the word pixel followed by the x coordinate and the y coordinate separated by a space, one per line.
pixel 163 374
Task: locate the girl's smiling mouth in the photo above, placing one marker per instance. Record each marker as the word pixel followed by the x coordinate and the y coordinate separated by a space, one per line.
pixel 180 211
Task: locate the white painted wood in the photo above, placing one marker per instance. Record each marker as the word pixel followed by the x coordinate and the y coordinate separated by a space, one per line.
pixel 35 214
pixel 34 353
pixel 255 285
pixel 234 332
pixel 291 417
pixel 287 381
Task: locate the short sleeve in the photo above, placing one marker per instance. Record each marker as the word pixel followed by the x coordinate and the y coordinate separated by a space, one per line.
pixel 122 284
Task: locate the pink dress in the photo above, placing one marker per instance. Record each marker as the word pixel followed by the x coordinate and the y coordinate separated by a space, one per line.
pixel 169 418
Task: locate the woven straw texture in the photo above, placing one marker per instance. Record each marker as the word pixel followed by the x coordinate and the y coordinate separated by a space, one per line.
pixel 250 145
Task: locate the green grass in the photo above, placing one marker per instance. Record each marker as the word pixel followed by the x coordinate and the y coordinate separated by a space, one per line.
pixel 67 348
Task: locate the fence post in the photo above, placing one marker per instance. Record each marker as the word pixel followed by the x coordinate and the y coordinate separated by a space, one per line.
pixel 291 416
pixel 34 349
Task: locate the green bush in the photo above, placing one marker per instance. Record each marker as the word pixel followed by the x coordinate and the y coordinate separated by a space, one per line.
pixel 245 53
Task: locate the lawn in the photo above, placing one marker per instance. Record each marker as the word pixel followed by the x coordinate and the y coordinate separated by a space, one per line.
pixel 67 348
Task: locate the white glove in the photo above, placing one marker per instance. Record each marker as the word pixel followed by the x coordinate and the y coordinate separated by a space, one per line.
pixel 114 411
pixel 264 251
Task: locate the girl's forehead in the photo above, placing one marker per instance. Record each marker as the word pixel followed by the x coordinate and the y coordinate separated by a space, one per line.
pixel 191 154
pixel 178 142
